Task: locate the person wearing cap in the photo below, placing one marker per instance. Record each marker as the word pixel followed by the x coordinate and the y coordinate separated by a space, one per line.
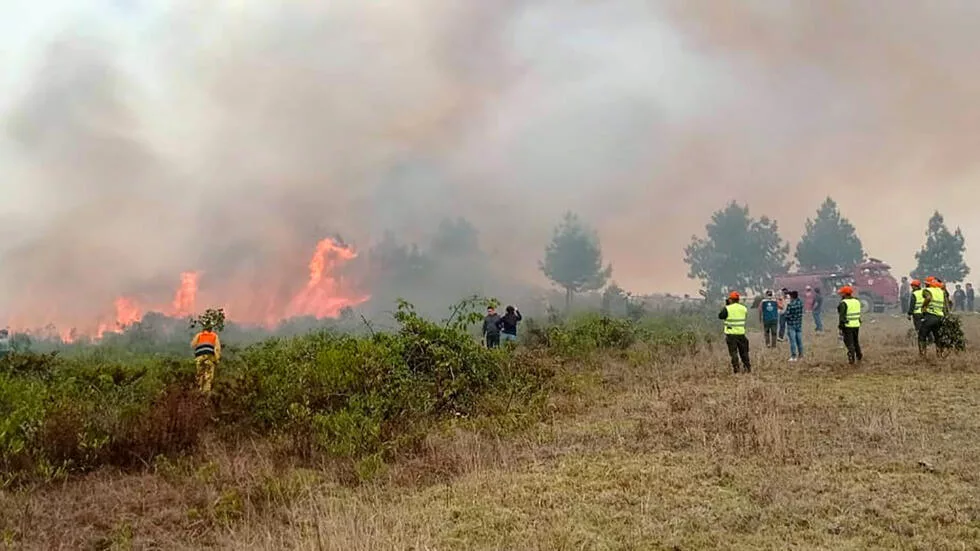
pixel 933 315
pixel 849 323
pixel 735 314
pixel 915 305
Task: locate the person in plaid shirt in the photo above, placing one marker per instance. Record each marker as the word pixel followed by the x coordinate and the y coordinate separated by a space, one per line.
pixel 794 326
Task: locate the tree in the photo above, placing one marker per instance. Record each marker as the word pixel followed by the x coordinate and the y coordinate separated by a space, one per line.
pixel 738 253
pixel 942 254
pixel 456 238
pixel 829 241
pixel 615 301
pixel 573 259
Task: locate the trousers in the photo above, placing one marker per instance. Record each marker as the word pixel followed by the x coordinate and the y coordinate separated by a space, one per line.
pixel 206 365
pixel 852 340
pixel 493 340
pixel 929 330
pixel 769 329
pixel 738 349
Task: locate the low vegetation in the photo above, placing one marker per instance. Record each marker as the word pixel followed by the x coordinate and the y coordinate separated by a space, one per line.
pixel 597 432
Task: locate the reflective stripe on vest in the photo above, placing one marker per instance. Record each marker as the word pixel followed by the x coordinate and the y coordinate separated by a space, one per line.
pixel 937 302
pixel 853 312
pixel 735 322
pixel 918 296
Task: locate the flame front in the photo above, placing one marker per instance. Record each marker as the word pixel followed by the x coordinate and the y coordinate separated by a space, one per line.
pixel 324 295
pixel 186 295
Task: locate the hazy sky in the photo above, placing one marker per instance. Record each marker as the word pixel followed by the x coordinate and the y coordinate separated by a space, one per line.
pixel 146 137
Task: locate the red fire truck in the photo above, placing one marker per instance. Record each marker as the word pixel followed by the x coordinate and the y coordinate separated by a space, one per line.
pixel 872 281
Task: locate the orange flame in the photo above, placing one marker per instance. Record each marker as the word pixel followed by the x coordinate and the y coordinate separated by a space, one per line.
pixel 325 294
pixel 186 295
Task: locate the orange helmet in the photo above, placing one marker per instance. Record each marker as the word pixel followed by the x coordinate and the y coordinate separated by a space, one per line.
pixel 734 295
pixel 846 290
pixel 936 283
pixel 916 283
pixel 930 279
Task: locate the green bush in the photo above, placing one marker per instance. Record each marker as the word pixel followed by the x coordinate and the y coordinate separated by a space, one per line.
pixel 364 397
pixel 322 393
pixel 587 334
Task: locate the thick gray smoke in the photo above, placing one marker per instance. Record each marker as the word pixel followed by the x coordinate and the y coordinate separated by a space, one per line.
pixel 230 138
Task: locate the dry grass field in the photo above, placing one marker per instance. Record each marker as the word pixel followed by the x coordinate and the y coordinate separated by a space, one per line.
pixel 632 455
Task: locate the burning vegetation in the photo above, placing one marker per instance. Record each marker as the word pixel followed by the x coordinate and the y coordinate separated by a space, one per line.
pixel 324 294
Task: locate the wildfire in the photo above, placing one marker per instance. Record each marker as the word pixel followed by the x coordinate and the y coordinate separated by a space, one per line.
pixel 325 294
pixel 186 295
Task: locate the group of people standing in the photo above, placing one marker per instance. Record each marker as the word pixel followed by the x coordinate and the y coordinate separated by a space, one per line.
pixel 927 309
pixel 785 315
pixel 497 328
pixel 963 300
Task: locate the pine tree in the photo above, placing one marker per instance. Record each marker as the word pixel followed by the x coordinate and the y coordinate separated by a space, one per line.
pixel 573 259
pixel 829 241
pixel 738 253
pixel 942 254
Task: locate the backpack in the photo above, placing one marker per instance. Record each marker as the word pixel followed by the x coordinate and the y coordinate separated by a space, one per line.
pixel 770 310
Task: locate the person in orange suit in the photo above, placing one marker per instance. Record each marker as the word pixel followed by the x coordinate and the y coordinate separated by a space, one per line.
pixel 207 354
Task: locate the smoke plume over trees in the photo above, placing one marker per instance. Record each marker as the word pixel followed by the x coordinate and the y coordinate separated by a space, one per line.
pixel 166 136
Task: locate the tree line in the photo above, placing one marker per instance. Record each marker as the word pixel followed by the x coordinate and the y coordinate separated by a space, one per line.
pixel 742 253
pixel 737 252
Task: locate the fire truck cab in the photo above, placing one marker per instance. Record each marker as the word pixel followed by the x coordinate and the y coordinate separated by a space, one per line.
pixel 872 282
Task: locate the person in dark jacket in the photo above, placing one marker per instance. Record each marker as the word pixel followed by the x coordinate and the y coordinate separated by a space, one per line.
pixel 970 296
pixel 818 310
pixel 959 299
pixel 491 328
pixel 769 316
pixel 508 324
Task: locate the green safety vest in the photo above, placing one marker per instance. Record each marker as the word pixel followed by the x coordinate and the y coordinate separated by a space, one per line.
pixel 853 312
pixel 735 322
pixel 919 298
pixel 937 304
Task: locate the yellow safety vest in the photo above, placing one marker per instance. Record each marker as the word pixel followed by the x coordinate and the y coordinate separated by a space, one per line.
pixel 937 304
pixel 853 312
pixel 919 298
pixel 735 322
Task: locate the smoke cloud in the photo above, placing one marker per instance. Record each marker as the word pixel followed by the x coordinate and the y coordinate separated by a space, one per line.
pixel 229 137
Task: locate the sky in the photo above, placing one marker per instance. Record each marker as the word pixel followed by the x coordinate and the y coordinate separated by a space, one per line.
pixel 143 138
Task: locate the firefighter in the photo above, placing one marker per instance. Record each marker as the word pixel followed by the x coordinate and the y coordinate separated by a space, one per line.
pixel 849 323
pixel 735 315
pixel 933 315
pixel 207 354
pixel 915 305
